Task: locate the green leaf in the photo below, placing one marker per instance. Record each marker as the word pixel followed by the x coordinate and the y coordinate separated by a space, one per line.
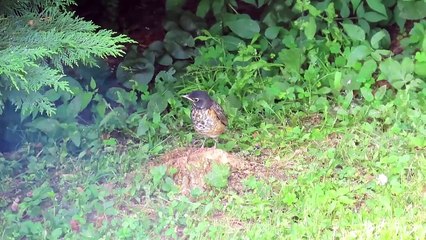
pixel 232 43
pixel 344 10
pixel 416 141
pixel 376 38
pixel 272 32
pixel 354 32
pixel 203 8
pixel 292 59
pixel 218 6
pixel 76 138
pixel 92 84
pixel 337 83
pixel 143 127
pixel 165 60
pixel 377 6
pixel 157 173
pixel 78 104
pixel 366 93
pixel 173 5
pixel 245 28
pixel 157 103
pixel 189 22
pixel 412 10
pixel 56 234
pixel 218 176
pixel 310 28
pixel 374 17
pixel 393 72
pixel 380 93
pixel 367 69
pixel 49 126
pixel 420 69
pixel 177 51
pixel 358 53
pixel 355 3
pixel 182 38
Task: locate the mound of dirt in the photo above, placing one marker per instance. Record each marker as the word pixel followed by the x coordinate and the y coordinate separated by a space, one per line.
pixel 193 164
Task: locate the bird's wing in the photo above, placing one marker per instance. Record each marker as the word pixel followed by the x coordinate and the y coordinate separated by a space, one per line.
pixel 220 113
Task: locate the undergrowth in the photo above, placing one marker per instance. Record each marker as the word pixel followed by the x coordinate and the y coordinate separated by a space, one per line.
pixel 323 94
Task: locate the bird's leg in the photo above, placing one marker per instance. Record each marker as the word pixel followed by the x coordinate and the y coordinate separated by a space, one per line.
pixel 215 143
pixel 204 142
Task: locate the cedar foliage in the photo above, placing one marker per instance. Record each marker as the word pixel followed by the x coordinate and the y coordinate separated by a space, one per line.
pixel 38 38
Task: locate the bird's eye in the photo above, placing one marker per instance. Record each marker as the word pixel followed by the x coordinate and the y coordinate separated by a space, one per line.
pixel 196 99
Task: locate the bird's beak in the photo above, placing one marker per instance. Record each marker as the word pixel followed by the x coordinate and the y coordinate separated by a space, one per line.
pixel 187 97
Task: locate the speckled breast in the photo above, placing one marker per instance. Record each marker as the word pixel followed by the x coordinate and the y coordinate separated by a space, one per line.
pixel 207 123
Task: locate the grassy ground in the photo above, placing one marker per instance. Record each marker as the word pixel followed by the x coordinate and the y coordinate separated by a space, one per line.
pixel 357 182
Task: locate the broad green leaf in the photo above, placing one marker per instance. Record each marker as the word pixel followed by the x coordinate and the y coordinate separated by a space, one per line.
pixel 144 76
pixel 377 6
pixel 417 141
pixel 218 176
pixel 157 173
pixel 364 25
pixel 100 108
pixel 380 93
pixel 49 126
pixel 374 17
pixel 355 3
pixel 420 69
pixel 92 84
pixel 354 32
pixel 375 39
pixel 173 5
pixel 348 99
pixel 77 104
pixel 128 69
pixel 324 91
pixel 360 11
pixel 190 22
pixel 56 234
pixel 143 127
pixel 52 95
pixel 337 83
pixel 218 7
pixel 334 47
pixel 407 65
pixel 176 50
pixel 165 60
pixel 412 10
pixel 245 28
pixel 157 103
pixel 183 38
pixel 358 53
pixel 310 28
pixel 292 59
pixel 272 32
pixel 232 43
pixel 344 10
pixel 76 138
pixel 156 46
pixel 203 8
pixel 393 72
pixel 367 69
pixel 367 94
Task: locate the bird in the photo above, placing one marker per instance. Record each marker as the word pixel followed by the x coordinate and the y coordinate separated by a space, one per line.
pixel 208 117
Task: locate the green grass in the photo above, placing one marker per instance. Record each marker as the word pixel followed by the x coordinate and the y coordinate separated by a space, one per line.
pixel 321 186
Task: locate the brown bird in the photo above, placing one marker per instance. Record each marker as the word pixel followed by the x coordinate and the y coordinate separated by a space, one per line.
pixel 207 116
